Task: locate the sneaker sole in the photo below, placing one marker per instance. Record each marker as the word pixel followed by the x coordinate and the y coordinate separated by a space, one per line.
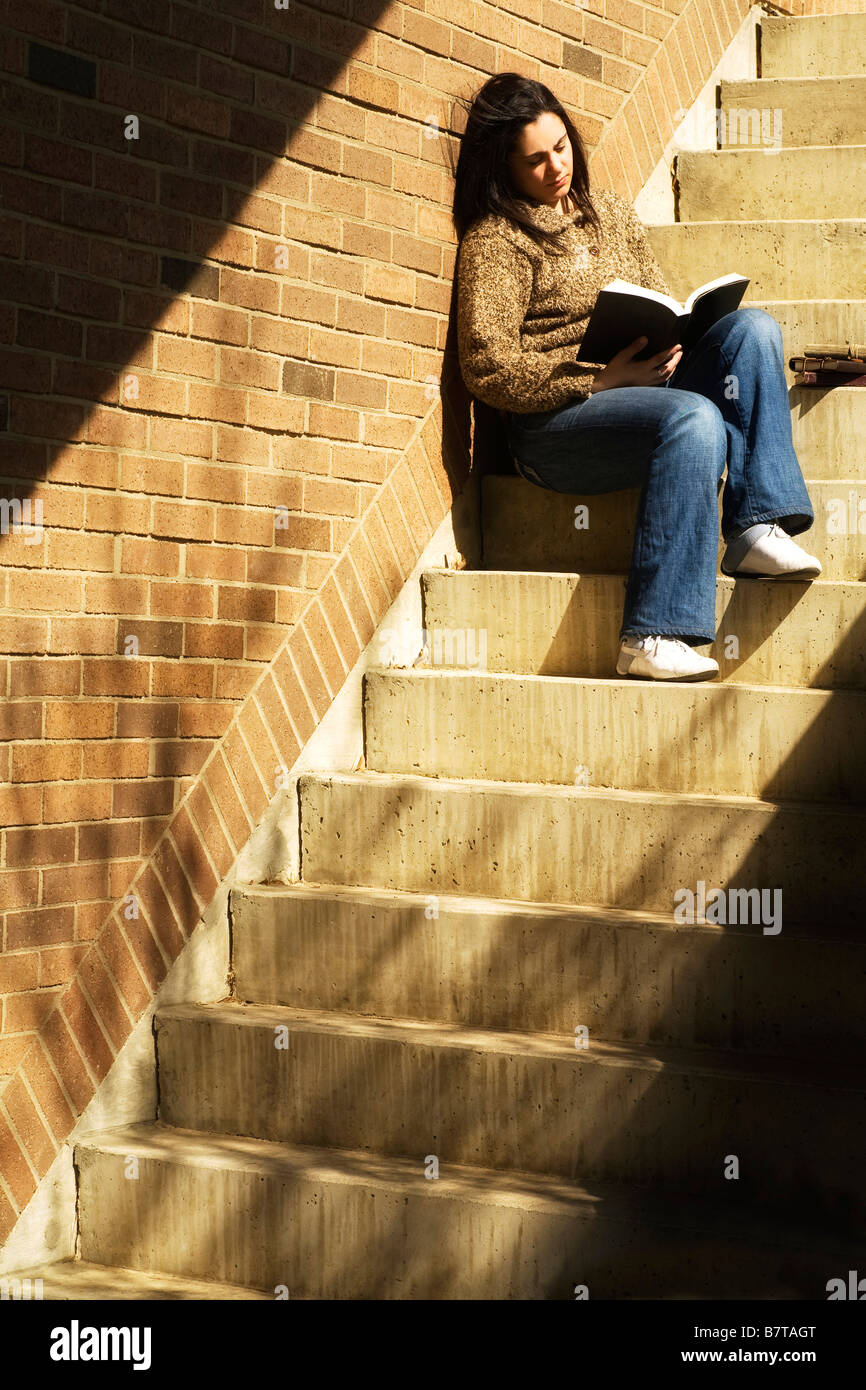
pixel 787 574
pixel 694 676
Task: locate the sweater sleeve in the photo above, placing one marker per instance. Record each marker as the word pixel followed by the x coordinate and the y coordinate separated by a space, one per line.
pixel 494 286
pixel 650 275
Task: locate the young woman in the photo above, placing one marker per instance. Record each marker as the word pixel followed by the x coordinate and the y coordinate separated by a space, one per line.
pixel 534 251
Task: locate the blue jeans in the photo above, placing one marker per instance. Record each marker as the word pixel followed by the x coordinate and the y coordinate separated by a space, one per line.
pixel 726 403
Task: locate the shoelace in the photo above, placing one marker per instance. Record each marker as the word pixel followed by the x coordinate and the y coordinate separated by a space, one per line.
pixel 653 646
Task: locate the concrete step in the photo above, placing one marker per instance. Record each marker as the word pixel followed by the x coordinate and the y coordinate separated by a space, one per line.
pixel 604 1112
pixel 641 735
pixel 801 182
pixel 556 844
pixel 829 426
pixel 489 963
pixel 326 1223
pixel 813 45
pixel 808 258
pixel 536 623
pixel 76 1281
pixel 789 111
pixel 526 527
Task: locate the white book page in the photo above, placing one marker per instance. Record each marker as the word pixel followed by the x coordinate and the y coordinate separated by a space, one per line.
pixel 710 285
pixel 667 299
pixel 646 294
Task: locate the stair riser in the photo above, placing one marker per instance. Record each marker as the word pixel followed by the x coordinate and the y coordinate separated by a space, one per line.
pixel 626 850
pixel 823 112
pixel 534 972
pixel 784 260
pixel 801 745
pixel 759 184
pixel 568 625
pixel 567 1116
pixel 828 425
pixel 373 1241
pixel 813 44
pixel 530 527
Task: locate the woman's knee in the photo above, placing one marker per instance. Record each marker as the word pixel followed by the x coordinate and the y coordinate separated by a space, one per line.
pixel 701 424
pixel 757 323
pixel 695 434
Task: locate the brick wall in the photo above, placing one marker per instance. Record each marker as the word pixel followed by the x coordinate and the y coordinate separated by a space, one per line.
pixel 227 378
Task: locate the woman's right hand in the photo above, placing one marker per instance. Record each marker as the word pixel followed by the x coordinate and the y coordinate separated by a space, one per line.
pixel 622 371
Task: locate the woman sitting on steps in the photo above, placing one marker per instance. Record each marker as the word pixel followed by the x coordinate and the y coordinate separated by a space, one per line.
pixel 521 192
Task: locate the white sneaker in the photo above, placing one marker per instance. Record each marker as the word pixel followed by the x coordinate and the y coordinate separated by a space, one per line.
pixel 663 659
pixel 773 555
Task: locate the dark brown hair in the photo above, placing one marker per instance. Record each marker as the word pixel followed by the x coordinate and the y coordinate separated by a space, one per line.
pixel 482 180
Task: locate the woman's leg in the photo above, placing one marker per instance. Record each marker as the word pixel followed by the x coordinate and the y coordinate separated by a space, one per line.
pixel 673 444
pixel 739 365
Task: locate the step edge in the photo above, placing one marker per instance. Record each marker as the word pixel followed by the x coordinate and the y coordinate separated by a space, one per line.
pixel 761 1068
pixel 669 1208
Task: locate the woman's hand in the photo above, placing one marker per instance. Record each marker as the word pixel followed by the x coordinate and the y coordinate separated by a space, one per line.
pixel 622 371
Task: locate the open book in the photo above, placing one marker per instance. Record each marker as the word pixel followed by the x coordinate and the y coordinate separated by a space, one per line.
pixel 623 312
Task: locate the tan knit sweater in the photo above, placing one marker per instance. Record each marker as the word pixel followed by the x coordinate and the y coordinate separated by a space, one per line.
pixel 522 311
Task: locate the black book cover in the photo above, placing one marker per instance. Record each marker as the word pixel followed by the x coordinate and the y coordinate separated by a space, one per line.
pixel 623 312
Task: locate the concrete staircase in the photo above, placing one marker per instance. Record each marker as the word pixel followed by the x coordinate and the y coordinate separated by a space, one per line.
pixel 481 968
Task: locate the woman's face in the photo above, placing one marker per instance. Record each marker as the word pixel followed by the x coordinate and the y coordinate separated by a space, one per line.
pixel 541 161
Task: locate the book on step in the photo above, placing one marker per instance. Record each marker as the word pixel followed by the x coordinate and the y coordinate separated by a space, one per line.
pixel 623 312
pixel 822 362
pixel 828 379
pixel 844 351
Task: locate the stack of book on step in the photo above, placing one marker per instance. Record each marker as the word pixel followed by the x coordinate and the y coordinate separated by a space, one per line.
pixel 830 365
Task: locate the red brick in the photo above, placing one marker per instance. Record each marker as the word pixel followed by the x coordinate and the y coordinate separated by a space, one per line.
pixel 19 971
pixel 187 909
pixel 20 805
pixel 25 1012
pixel 221 787
pixel 8 1214
pixel 145 949
pixel 57 1038
pixel 285 677
pixel 38 1144
pixel 305 663
pixel 39 1075
pixel 255 793
pixel 322 642
pixel 123 966
pixel 57 966
pixel 38 926
pixel 202 809
pixel 355 599
pixel 14 1166
pixel 104 998
pixel 334 607
pixel 213 639
pixel 41 677
pixel 193 853
pixel 40 845
pixel 159 912
pixel 376 534
pixel 86 1030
